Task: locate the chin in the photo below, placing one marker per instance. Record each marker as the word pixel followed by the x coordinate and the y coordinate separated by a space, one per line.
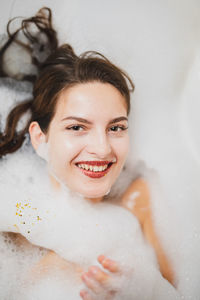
pixel 95 194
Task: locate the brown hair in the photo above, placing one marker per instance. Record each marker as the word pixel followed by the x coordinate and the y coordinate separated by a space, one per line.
pixel 60 70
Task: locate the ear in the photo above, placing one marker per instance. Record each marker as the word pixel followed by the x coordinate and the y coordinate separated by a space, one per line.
pixel 36 134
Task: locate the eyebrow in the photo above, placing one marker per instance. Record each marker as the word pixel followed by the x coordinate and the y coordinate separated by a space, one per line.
pixel 82 120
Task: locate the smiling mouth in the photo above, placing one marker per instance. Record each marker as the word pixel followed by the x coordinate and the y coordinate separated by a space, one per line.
pixel 94 169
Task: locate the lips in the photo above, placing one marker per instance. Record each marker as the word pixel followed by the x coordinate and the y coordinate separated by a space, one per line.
pixel 94 169
pixel 95 163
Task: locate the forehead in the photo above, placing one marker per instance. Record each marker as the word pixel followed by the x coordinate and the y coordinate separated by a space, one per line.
pixel 91 98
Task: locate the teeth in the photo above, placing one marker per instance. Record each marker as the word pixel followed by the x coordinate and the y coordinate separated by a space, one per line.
pixel 92 168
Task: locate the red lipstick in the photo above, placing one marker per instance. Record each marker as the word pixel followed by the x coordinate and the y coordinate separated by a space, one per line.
pixel 94 162
pixel 95 174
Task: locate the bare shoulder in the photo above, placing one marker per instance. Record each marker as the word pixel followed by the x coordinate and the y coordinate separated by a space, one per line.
pixel 137 199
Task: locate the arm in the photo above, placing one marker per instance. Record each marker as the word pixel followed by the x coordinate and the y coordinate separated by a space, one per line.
pixel 52 262
pixel 137 200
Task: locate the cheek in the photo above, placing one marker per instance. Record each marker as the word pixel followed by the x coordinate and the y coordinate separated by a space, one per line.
pixel 122 148
pixel 62 148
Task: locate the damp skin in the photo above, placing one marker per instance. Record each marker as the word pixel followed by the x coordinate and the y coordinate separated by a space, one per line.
pixel 90 124
pixel 93 228
pixel 96 228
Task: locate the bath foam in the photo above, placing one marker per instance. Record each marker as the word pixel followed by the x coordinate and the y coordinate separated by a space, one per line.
pixel 74 228
pixel 17 256
pixel 11 93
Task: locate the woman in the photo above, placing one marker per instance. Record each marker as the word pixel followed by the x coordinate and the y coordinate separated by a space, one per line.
pixel 79 124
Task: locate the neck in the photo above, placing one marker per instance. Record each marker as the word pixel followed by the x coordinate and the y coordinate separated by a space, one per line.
pixel 57 186
pixel 94 200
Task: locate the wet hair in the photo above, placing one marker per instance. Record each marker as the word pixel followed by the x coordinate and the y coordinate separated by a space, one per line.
pixel 57 69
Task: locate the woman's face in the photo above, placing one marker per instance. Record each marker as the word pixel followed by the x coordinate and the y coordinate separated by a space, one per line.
pixel 88 138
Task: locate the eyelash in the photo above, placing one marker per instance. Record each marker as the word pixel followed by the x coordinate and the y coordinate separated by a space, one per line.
pixel 121 127
pixel 77 127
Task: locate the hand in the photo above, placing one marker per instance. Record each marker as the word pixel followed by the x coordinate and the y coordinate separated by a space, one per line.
pixel 99 282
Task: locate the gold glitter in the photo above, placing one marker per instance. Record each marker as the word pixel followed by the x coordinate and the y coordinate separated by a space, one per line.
pixel 15 225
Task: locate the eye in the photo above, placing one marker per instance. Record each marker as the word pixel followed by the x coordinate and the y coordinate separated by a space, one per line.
pixel 118 128
pixel 75 128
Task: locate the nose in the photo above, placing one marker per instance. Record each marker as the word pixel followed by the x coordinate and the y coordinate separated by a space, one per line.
pixel 99 145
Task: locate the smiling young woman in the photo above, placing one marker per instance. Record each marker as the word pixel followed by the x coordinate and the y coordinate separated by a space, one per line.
pixel 79 124
pixel 87 150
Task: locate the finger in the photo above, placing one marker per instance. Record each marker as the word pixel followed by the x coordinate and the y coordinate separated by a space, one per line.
pixel 101 258
pixel 90 282
pixel 108 264
pixel 85 295
pixel 97 274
